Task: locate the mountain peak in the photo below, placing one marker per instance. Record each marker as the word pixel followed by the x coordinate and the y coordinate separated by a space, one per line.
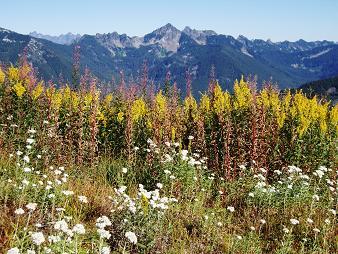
pixel 199 36
pixel 5 30
pixel 168 28
pixel 167 36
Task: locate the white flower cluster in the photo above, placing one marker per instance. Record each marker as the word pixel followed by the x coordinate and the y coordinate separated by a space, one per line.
pixel 153 198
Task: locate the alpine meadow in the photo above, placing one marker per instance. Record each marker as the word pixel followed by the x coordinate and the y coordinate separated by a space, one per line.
pixel 178 141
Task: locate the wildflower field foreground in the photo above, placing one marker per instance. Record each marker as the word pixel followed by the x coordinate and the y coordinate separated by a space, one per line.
pixel 140 170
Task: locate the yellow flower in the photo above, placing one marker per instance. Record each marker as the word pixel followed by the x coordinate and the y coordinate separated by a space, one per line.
pixel 66 94
pixel 227 101
pixel 19 89
pixel 88 98
pixel 263 98
pixel 2 77
pixel 120 117
pixel 274 101
pixel 281 116
pixel 243 95
pixel 219 101
pixel 334 117
pixel 75 100
pixel 286 101
pixel 101 116
pixel 161 104
pixel 190 106
pixel 107 100
pixel 138 109
pixel 222 101
pixel 205 104
pixel 145 204
pixel 13 74
pixel 322 117
pixel 38 90
pixel 55 97
pixel 173 134
pixel 57 100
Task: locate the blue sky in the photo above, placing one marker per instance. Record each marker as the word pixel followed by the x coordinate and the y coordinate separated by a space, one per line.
pixel 274 19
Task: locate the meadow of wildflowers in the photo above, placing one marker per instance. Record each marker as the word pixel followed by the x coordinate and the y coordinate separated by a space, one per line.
pixel 142 170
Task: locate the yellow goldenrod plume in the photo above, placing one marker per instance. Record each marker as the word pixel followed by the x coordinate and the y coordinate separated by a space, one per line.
pixel 19 89
pixel 334 117
pixel 190 106
pixel 161 104
pixel 2 77
pixel 243 95
pixel 205 104
pixel 13 74
pixel 138 109
pixel 38 90
pixel 120 116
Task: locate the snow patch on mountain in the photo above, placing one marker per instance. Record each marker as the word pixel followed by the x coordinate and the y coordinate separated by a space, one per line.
pixel 5 39
pixel 245 52
pixel 320 53
pixel 35 51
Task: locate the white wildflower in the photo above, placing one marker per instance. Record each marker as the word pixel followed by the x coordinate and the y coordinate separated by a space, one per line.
pixel 38 238
pixel 26 159
pixel 31 206
pixel 315 197
pixel 27 169
pixel 19 211
pixel 79 229
pixel 103 233
pixel 105 250
pixel 83 199
pixel 102 222
pixel 334 212
pixel 30 141
pixel 231 209
pixel 57 172
pixel 294 221
pixel 61 225
pixel 316 230
pixel 131 237
pixel 31 131
pixel 308 220
pixel 122 189
pixel 13 251
pixel 286 230
pixel 68 192
pixel 54 238
pixel 172 177
pixel 319 173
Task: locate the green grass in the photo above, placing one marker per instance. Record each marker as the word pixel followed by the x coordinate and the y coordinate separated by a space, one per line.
pixel 197 218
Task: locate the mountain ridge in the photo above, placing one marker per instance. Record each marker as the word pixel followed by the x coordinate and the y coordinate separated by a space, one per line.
pixel 170 49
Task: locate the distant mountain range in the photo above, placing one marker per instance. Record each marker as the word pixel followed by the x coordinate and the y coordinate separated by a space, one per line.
pixel 65 39
pixel 290 64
